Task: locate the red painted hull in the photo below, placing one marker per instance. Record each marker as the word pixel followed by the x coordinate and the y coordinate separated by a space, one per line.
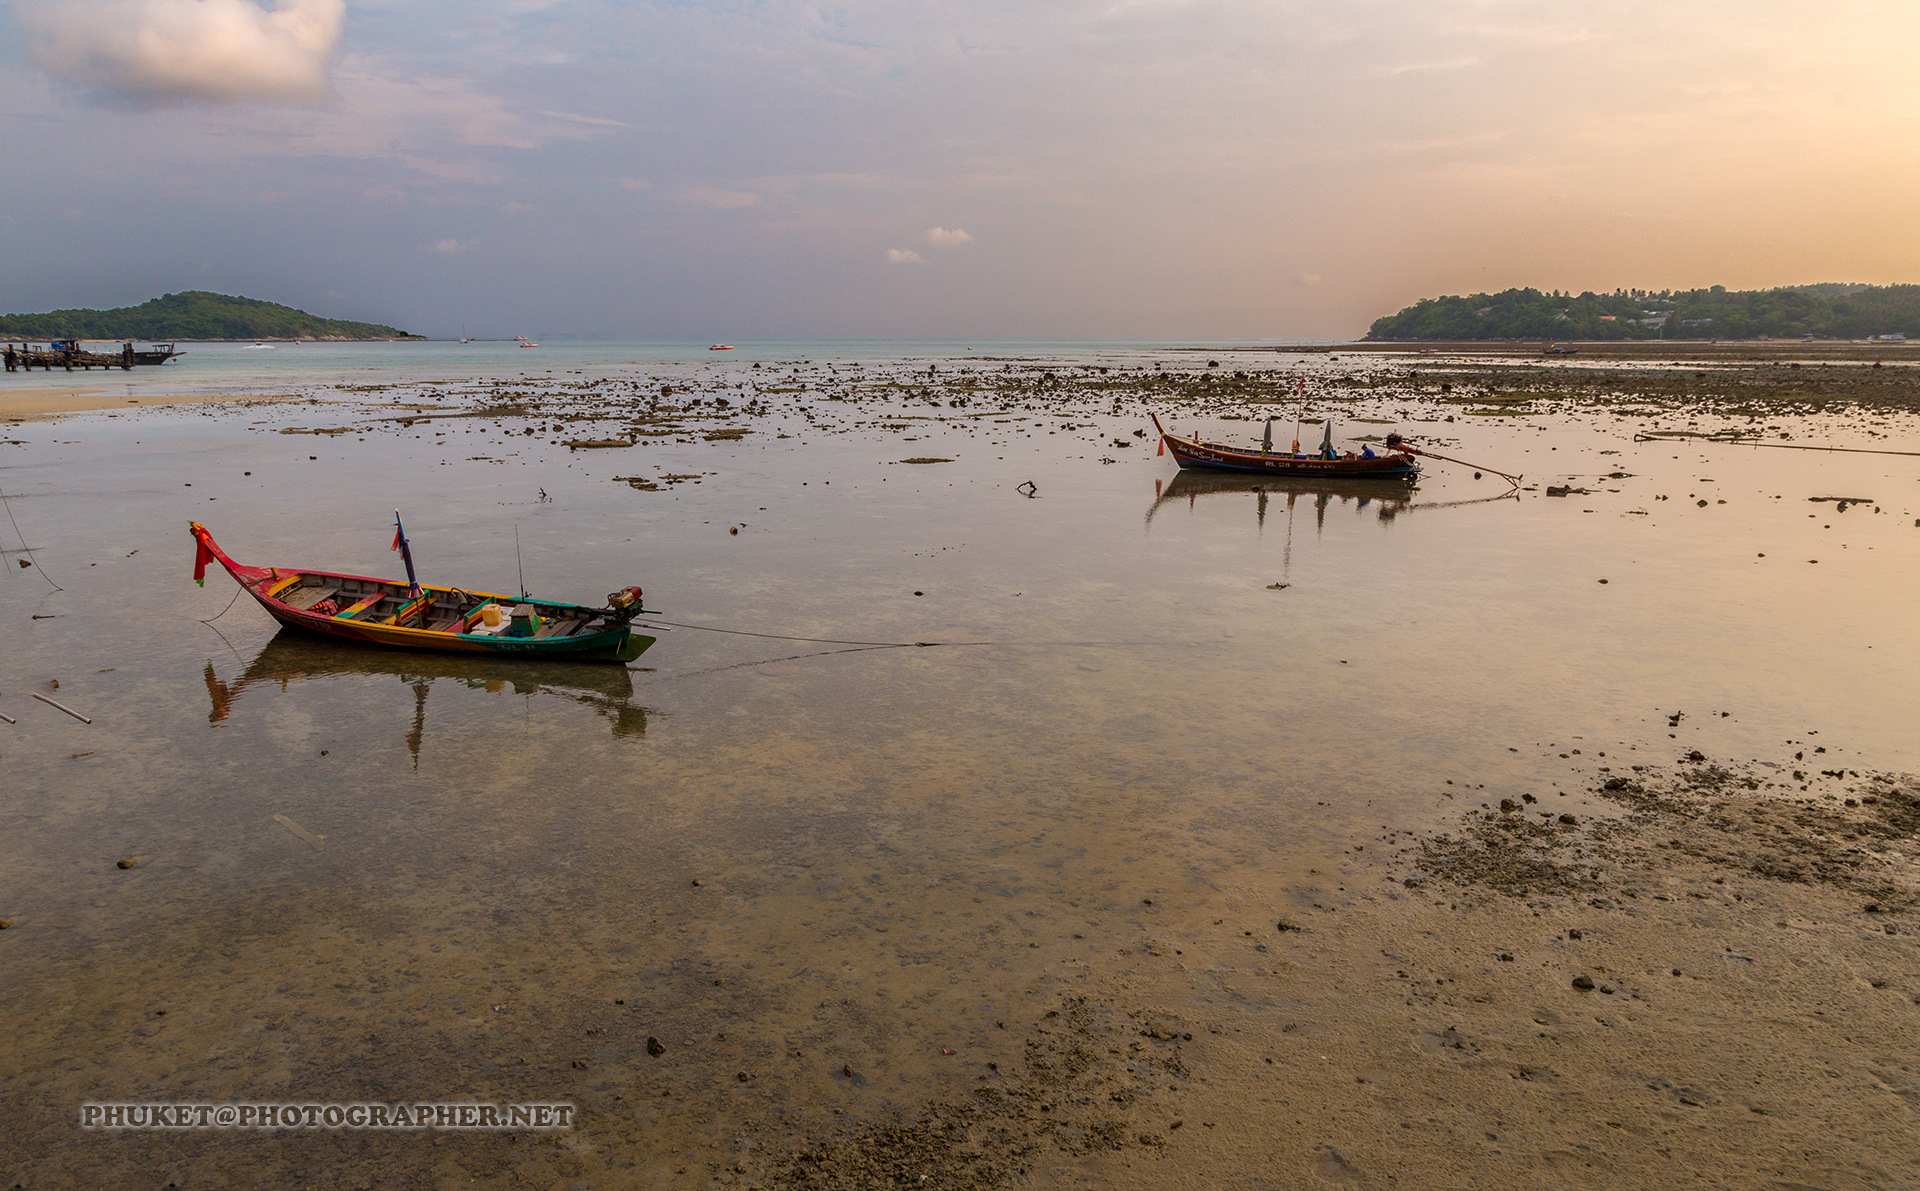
pixel 615 642
pixel 1192 452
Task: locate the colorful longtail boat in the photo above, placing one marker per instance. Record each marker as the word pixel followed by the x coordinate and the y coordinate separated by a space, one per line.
pixel 420 616
pixel 1396 463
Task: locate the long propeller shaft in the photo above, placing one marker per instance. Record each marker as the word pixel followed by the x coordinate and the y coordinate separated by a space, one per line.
pixel 1413 450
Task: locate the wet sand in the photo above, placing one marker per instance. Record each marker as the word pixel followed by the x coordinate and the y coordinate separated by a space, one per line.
pixel 1404 1011
pixel 1212 890
pixel 20 405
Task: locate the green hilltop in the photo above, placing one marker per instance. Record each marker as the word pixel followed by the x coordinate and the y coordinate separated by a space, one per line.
pixel 195 314
pixel 1828 311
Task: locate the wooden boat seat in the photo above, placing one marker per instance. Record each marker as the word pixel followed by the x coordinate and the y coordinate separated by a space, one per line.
pixel 355 609
pixel 409 610
pixel 558 627
pixel 307 597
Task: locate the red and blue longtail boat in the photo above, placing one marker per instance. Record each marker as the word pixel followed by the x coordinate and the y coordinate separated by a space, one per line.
pixel 1395 464
pixel 413 615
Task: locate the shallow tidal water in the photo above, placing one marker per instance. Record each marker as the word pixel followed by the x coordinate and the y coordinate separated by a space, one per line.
pixel 811 867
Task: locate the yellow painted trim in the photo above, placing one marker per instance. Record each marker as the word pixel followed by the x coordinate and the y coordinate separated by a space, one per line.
pixel 405 610
pixel 290 581
pixel 362 606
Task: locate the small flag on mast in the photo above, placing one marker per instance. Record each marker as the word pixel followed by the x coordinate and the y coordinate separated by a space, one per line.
pixel 401 544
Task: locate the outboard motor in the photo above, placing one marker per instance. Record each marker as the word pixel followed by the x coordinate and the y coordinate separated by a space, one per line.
pixel 625 603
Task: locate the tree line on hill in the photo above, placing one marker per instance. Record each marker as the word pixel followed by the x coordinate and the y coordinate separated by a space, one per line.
pixel 1826 311
pixel 194 314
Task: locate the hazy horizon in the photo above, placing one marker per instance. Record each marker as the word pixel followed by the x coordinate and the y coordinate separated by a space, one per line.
pixel 1147 169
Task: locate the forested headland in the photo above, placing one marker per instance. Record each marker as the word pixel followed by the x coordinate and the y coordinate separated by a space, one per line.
pixel 194 314
pixel 1827 311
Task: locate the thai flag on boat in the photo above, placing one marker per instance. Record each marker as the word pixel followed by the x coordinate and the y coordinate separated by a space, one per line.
pixel 401 544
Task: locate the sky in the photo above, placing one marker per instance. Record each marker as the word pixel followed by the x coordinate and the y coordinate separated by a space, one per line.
pixel 1162 169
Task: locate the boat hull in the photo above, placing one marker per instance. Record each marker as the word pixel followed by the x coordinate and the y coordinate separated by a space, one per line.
pixel 1213 456
pixel 1205 456
pixel 614 645
pixel 599 635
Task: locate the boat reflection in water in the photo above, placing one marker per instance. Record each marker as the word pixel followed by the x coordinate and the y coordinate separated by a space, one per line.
pixel 291 656
pixel 1388 497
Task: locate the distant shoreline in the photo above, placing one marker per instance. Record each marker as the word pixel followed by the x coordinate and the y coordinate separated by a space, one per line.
pixel 1596 349
pixel 5 337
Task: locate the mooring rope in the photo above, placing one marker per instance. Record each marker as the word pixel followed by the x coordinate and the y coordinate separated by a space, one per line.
pixel 707 628
pixel 26 549
pixel 1675 435
pixel 230 603
pixel 769 661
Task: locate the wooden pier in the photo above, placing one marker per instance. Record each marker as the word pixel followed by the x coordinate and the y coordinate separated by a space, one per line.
pixel 67 354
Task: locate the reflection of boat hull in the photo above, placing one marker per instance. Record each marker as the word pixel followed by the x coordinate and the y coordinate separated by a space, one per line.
pixel 1393 493
pixel 377 612
pixel 293 656
pixel 1204 483
pixel 1209 456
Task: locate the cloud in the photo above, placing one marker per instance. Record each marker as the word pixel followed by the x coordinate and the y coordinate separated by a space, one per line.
pixel 941 237
pixel 719 200
pixel 156 52
pixel 577 118
pixel 452 246
pixel 904 256
pixel 1460 63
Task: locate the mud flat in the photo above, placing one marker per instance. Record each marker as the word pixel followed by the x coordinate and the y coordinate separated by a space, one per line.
pixel 1722 984
pixel 1244 836
pixel 1710 979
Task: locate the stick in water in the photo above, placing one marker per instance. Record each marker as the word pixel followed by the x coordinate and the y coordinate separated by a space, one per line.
pixel 300 831
pixel 62 706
